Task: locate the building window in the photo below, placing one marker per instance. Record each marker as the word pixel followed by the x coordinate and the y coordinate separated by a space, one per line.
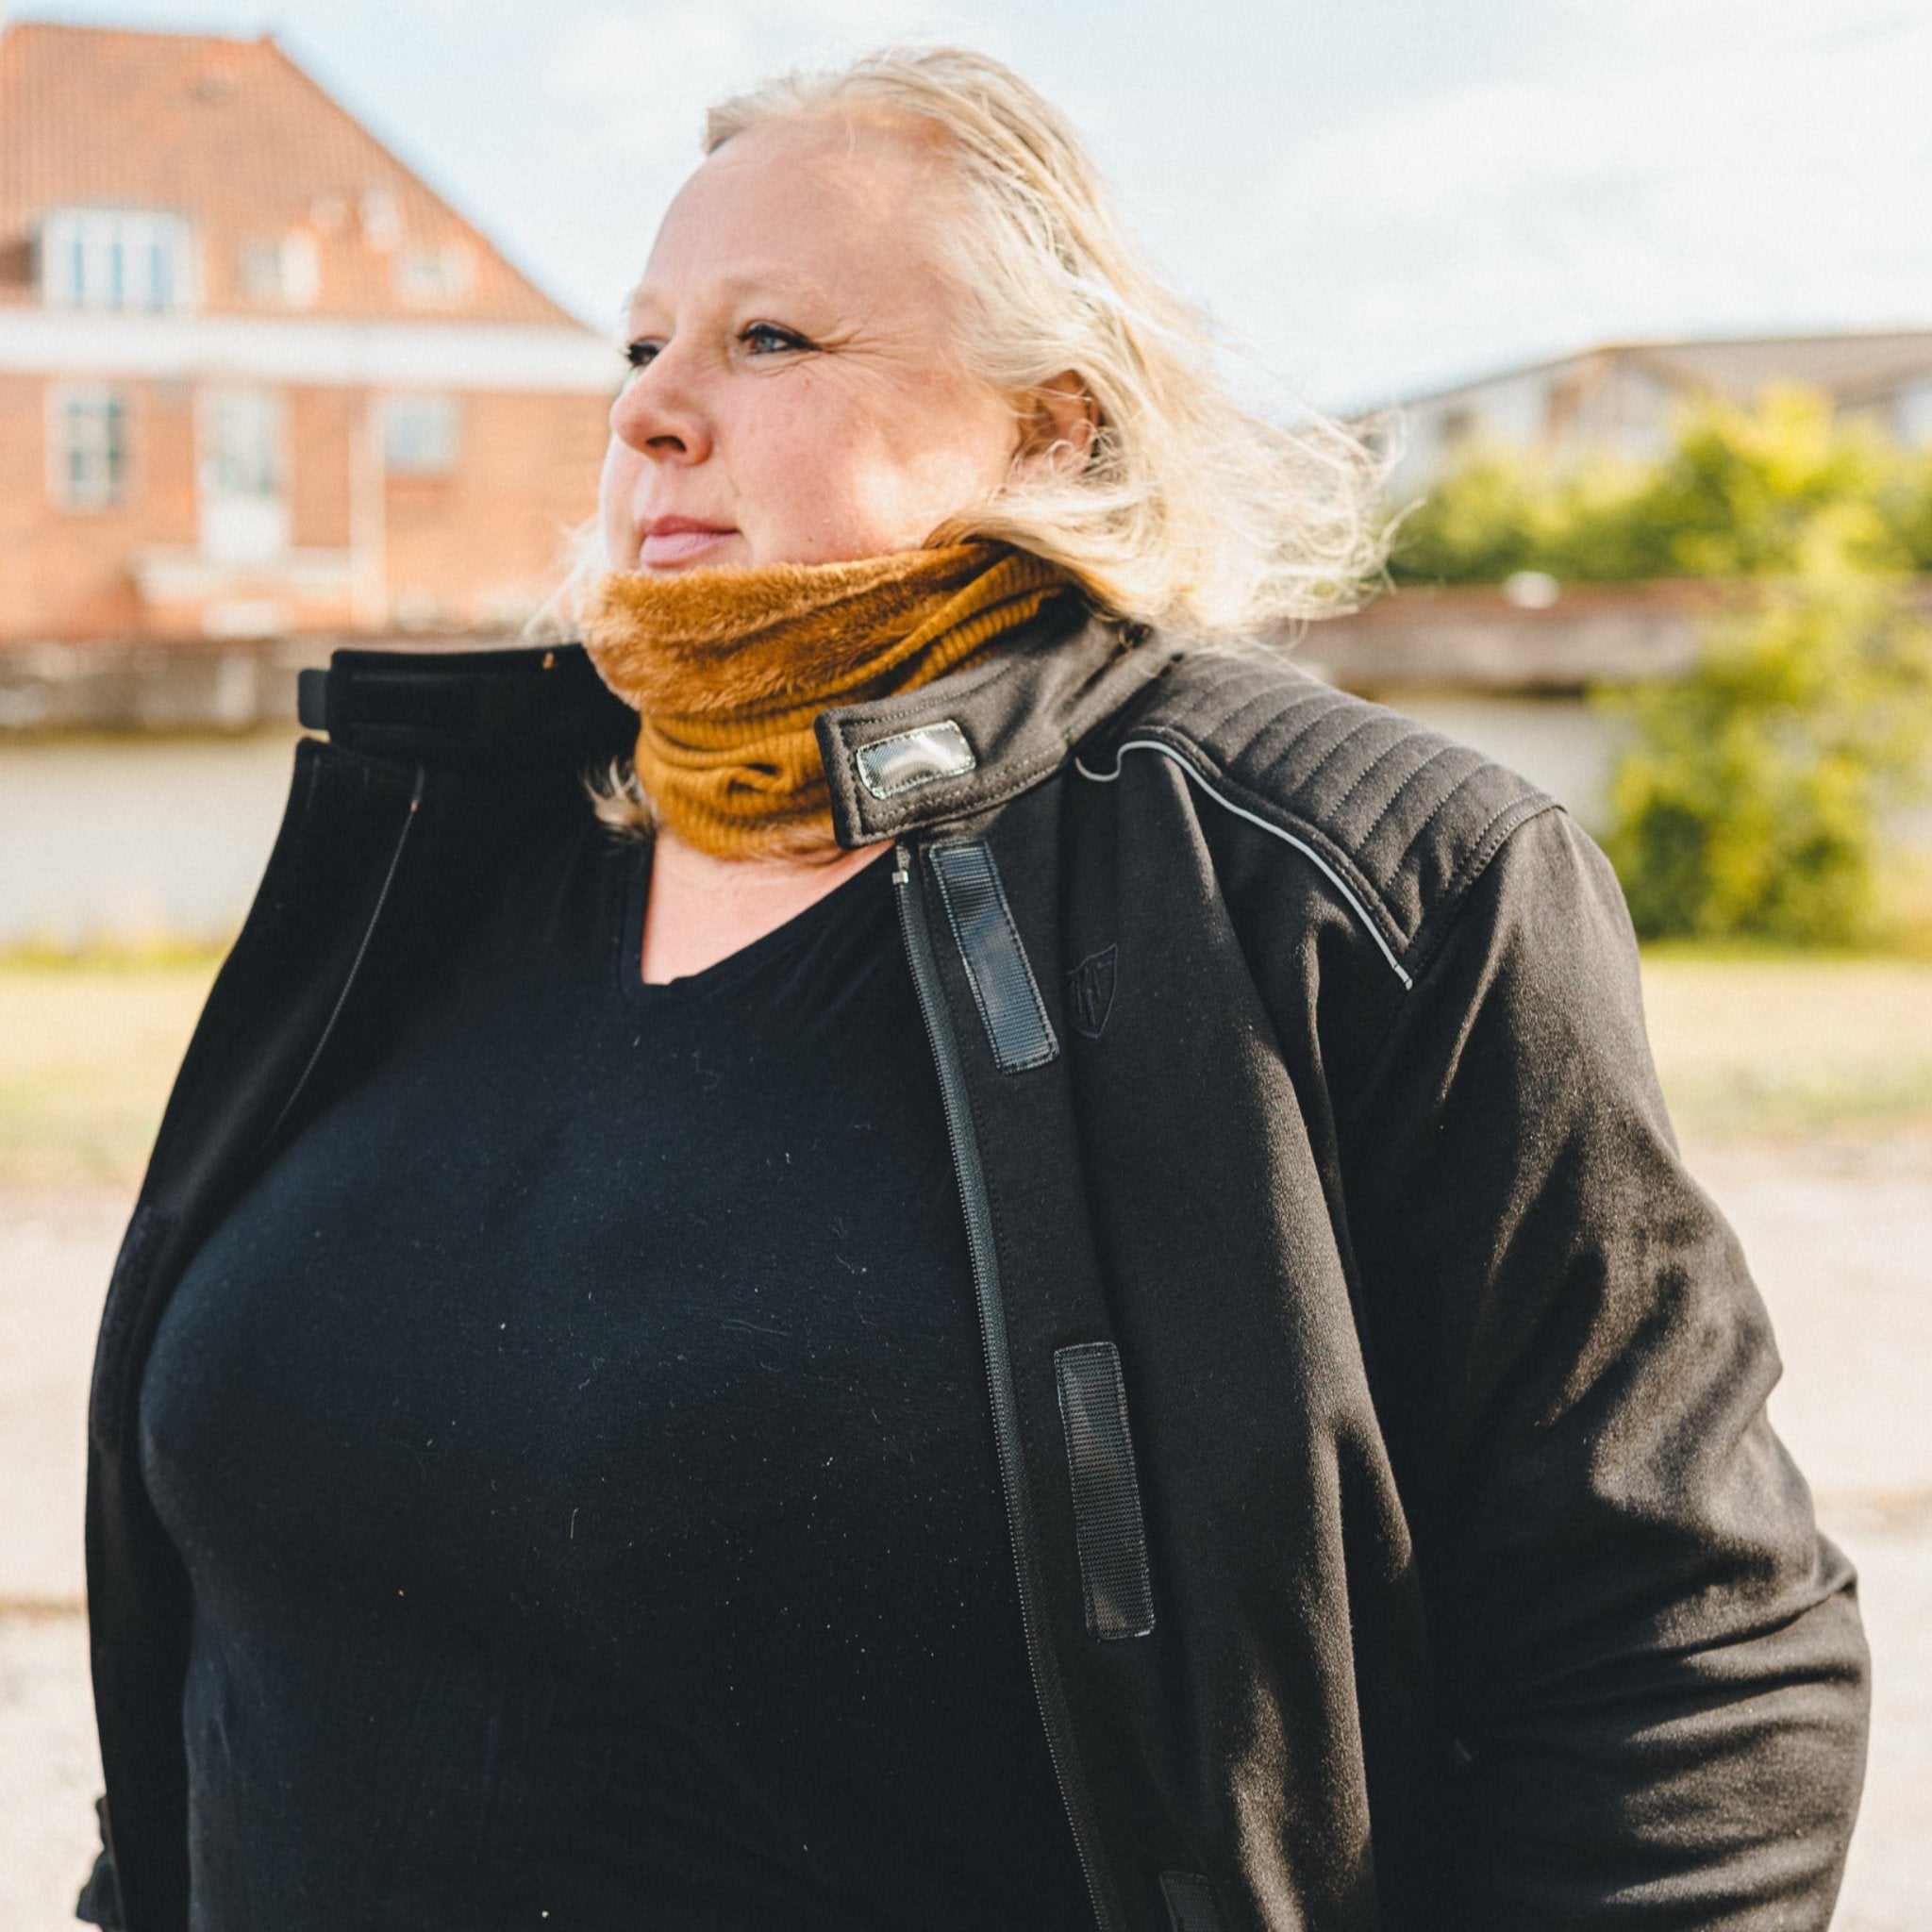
pixel 108 258
pixel 1456 426
pixel 420 434
pixel 433 274
pixel 243 502
pixel 283 271
pixel 241 448
pixel 382 219
pixel 88 444
pixel 1911 412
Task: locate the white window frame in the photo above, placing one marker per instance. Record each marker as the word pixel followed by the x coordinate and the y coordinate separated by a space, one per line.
pixel 1911 412
pixel 139 259
pixel 115 463
pixel 241 484
pixel 293 273
pixel 430 274
pixel 396 413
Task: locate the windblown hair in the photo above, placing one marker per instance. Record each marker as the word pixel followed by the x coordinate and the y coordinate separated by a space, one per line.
pixel 1190 511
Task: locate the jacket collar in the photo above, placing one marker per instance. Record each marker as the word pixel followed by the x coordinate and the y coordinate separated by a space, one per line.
pixel 526 706
pixel 951 748
pixel 982 736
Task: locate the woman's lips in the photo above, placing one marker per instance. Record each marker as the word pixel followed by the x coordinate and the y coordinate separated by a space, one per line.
pixel 671 542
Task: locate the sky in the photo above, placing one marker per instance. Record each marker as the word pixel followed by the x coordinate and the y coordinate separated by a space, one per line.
pixel 1372 197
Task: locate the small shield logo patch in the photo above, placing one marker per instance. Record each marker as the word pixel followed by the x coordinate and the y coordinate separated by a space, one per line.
pixel 1089 992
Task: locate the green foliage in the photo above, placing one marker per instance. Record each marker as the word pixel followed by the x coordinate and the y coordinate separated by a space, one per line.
pixel 1751 797
pixel 1910 510
pixel 1503 510
pixel 1734 496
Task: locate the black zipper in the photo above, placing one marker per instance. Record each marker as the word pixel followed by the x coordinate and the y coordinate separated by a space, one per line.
pixel 1048 1685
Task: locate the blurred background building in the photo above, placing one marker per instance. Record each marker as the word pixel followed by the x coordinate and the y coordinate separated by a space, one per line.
pixel 261 390
pixel 1511 664
pixel 1620 399
pixel 256 378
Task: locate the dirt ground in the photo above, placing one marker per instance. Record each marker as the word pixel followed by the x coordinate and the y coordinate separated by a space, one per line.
pixel 1807 1115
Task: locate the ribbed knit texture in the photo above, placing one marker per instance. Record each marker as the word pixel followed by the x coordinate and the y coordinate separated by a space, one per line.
pixel 729 668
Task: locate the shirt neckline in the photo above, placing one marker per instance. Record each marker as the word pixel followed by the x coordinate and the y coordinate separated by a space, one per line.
pixel 795 934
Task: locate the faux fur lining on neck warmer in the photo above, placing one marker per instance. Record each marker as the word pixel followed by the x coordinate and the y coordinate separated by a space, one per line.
pixel 729 668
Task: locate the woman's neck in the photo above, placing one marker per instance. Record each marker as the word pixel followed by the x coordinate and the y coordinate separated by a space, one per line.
pixel 703 909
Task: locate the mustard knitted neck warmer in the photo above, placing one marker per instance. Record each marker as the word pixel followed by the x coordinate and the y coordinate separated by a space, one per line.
pixel 729 668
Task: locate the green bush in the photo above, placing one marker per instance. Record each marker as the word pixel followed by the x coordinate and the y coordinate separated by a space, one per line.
pixel 1502 511
pixel 1752 796
pixel 1910 510
pixel 1734 496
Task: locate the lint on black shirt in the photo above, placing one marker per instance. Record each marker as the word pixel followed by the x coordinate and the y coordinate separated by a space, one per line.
pixel 578 1447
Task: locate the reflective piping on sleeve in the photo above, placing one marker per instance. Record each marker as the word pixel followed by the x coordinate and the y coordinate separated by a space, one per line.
pixel 1308 851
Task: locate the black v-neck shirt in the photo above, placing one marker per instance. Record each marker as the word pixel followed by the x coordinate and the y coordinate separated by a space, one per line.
pixel 578 1447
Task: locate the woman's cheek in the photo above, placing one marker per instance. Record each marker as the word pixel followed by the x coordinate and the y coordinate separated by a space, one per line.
pixel 793 473
pixel 614 491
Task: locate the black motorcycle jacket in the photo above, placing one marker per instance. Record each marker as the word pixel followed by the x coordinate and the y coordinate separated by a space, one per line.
pixel 1400 1538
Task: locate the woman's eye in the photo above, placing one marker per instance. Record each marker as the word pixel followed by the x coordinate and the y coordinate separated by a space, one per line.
pixel 641 353
pixel 766 339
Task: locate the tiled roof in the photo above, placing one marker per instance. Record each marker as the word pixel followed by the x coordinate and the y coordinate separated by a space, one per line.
pixel 234 135
pixel 1856 366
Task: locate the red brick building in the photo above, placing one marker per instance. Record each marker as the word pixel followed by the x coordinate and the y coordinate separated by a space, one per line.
pixel 255 376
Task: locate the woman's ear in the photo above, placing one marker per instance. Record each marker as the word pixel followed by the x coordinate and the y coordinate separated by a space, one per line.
pixel 1060 421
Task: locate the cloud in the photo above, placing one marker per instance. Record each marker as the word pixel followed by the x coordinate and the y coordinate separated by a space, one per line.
pixel 637 79
pixel 637 86
pixel 626 89
pixel 1649 168
pixel 1604 167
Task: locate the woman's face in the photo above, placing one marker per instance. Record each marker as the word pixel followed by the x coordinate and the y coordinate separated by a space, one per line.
pixel 793 399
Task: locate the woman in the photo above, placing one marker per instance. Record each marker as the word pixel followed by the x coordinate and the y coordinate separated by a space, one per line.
pixel 1066 1299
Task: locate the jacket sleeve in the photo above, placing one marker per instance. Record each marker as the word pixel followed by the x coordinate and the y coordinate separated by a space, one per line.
pixel 1651 1662
pixel 99 1903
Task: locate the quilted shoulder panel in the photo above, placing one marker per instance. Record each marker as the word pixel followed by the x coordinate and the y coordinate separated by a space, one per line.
pixel 1406 816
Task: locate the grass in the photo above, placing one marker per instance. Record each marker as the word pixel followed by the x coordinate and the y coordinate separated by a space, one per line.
pixel 1750 1044
pixel 88 1052
pixel 1767 1046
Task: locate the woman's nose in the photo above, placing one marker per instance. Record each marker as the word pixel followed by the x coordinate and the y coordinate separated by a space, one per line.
pixel 657 413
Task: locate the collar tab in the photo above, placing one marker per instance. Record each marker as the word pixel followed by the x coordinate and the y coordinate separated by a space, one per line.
pixel 978 737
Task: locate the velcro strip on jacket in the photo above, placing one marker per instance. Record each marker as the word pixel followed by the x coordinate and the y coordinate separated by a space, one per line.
pixel 1190 1903
pixel 1108 1525
pixel 1003 985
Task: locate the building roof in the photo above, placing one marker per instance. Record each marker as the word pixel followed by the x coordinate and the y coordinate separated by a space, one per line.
pixel 233 134
pixel 1476 640
pixel 1855 365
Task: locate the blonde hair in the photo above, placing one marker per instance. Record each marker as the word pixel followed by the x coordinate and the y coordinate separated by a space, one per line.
pixel 1190 511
